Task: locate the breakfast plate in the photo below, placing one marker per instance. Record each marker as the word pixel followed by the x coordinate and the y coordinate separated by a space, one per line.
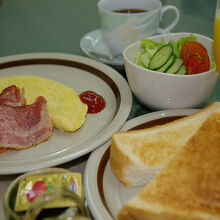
pixel 104 193
pixel 81 74
pixel 93 46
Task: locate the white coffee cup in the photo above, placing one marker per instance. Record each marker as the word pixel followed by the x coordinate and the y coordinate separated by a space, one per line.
pixel 121 29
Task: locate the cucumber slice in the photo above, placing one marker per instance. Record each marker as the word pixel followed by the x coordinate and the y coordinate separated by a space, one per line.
pixel 166 65
pixel 182 70
pixel 160 57
pixel 175 66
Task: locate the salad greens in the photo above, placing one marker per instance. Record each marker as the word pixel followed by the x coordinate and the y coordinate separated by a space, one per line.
pixel 150 47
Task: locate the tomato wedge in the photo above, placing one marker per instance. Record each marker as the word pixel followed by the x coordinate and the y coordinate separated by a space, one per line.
pixel 195 57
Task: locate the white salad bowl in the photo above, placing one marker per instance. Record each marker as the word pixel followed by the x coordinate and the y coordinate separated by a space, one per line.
pixel 158 90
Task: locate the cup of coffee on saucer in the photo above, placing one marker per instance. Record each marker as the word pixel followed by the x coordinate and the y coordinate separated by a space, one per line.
pixel 124 22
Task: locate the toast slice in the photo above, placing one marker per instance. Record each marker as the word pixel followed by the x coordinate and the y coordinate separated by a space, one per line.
pixel 137 155
pixel 188 188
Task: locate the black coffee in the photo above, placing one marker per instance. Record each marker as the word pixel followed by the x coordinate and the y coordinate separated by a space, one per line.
pixel 129 10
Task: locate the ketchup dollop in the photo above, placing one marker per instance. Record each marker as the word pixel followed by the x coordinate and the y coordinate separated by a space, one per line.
pixel 95 102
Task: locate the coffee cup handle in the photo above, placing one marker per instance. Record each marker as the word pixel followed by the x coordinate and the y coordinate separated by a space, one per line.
pixel 174 23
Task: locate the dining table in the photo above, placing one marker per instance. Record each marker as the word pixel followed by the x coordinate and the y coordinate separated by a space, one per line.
pixel 55 26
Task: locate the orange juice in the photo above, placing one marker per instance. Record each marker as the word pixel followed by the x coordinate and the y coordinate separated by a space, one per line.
pixel 217 40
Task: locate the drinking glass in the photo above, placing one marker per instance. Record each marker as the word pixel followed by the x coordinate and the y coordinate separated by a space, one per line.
pixel 217 36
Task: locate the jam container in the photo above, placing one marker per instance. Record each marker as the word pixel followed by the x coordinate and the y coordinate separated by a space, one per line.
pixel 52 193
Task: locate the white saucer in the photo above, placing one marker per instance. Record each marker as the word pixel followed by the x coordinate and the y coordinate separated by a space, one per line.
pixel 93 42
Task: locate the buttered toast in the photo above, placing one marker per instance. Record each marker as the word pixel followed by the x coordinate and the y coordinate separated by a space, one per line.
pixel 133 154
pixel 188 188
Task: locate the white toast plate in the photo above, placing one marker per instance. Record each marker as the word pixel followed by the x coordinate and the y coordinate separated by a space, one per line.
pixel 104 193
pixel 81 74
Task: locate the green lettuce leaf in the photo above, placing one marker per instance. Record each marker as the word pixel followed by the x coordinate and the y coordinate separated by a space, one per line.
pixel 176 47
pixel 149 48
pixel 212 62
pixel 183 40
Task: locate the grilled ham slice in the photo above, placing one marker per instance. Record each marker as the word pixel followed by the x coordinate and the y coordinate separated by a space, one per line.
pixel 25 126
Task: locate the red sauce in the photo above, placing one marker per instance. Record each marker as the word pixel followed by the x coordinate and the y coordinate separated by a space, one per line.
pixel 95 102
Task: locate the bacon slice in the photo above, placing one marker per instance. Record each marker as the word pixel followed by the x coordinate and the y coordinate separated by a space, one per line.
pixel 25 126
pixel 12 96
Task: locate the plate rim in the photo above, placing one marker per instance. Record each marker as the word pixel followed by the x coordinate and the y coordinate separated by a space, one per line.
pixel 92 194
pixel 118 120
pixel 82 40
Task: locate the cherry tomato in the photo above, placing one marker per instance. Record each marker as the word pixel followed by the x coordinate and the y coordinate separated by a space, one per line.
pixel 195 57
pixel 194 65
pixel 190 47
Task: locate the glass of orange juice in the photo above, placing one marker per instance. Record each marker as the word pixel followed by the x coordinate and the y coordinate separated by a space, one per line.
pixel 217 37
